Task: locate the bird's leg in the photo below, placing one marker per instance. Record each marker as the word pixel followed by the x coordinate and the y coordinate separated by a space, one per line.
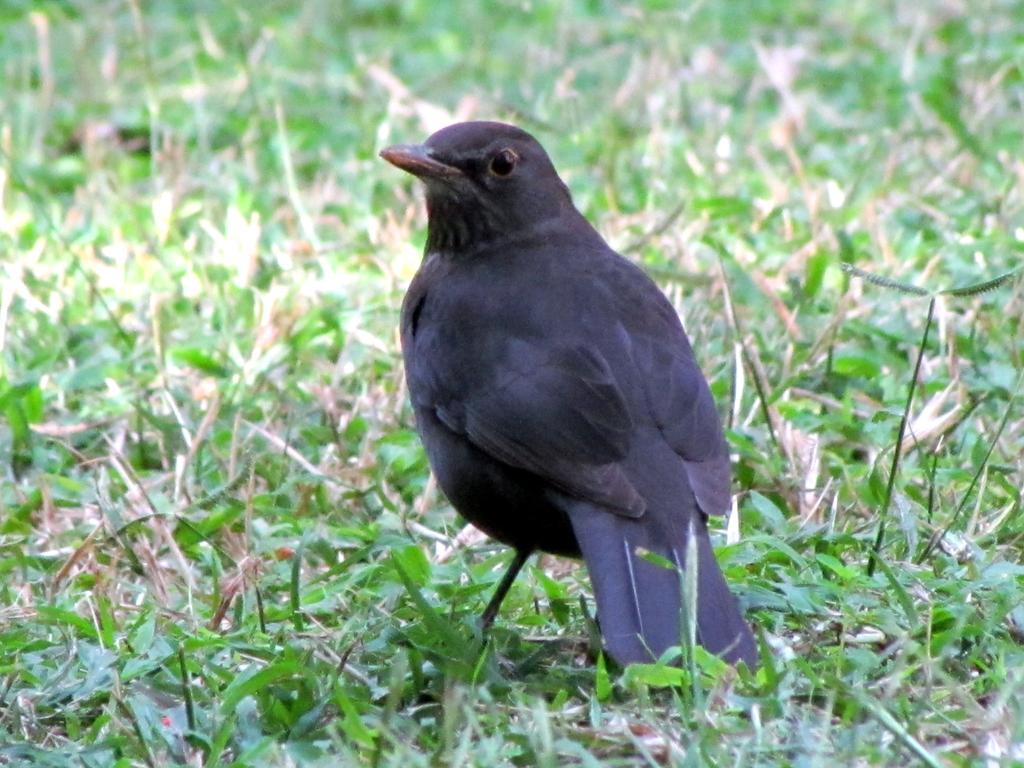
pixel 487 618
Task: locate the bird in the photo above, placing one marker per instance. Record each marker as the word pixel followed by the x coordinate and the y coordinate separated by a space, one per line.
pixel 557 396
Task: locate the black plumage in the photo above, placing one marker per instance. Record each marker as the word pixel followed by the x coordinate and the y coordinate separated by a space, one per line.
pixel 556 392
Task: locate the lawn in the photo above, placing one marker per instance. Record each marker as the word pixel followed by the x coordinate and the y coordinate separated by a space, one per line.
pixel 219 540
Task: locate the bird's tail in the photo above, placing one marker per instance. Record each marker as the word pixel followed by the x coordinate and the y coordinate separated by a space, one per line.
pixel 640 602
pixel 721 627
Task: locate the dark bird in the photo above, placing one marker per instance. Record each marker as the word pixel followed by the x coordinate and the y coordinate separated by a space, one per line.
pixel 557 396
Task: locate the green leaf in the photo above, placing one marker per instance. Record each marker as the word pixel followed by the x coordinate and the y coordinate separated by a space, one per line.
pixel 856 363
pixel 201 359
pixel 438 625
pixel 414 562
pixel 654 675
pixel 351 722
pixel 602 682
pixel 723 206
pixel 942 95
pixel 836 566
pixel 816 266
pixel 255 679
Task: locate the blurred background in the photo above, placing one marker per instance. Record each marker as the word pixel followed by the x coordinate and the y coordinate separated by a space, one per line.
pixel 218 534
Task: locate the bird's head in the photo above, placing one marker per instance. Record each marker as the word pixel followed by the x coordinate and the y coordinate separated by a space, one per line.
pixel 484 180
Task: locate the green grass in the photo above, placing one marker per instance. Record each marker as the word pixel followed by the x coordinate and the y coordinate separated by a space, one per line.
pixel 218 541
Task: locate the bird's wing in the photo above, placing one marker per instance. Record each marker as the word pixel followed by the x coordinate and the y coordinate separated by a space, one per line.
pixel 683 409
pixel 557 412
pixel 678 400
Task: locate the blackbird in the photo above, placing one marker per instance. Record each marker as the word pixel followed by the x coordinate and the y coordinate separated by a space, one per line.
pixel 557 395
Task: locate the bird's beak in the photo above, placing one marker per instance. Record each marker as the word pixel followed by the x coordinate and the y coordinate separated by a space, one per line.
pixel 418 160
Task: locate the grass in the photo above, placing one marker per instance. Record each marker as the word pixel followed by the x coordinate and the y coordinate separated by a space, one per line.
pixel 218 538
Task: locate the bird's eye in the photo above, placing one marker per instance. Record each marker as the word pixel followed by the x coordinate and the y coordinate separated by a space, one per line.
pixel 503 163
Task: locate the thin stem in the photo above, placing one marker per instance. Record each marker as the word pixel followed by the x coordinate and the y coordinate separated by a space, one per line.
pixel 898 450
